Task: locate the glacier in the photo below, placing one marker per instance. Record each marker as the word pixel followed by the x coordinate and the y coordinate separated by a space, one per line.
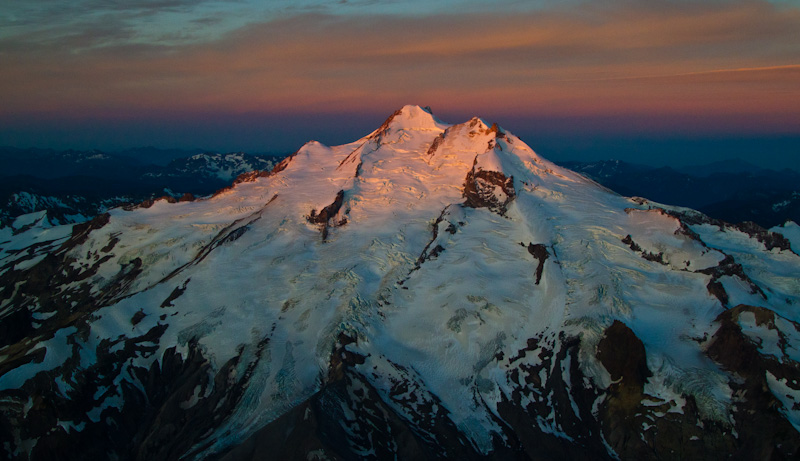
pixel 440 279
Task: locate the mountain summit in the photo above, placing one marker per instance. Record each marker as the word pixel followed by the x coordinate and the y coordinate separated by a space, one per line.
pixel 427 291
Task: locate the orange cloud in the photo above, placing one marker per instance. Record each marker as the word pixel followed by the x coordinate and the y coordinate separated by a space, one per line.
pixel 730 59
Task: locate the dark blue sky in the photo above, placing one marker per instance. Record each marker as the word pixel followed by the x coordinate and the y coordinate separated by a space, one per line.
pixel 551 138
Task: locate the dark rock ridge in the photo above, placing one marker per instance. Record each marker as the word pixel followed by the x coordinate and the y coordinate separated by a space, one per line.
pixel 435 144
pixel 325 218
pixel 384 128
pixel 168 409
pixel 728 267
pixel 763 431
pixel 655 257
pixel 541 254
pixel 479 190
pixel 770 239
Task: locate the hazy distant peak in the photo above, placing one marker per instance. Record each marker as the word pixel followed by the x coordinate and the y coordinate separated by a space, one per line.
pixel 729 166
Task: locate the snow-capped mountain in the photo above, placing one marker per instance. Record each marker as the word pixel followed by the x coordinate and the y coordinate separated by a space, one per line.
pixel 60 209
pixel 427 291
pixel 23 203
pixel 225 167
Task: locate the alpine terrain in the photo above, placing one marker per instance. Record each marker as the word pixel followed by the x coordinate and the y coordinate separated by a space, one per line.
pixel 428 291
pixel 73 186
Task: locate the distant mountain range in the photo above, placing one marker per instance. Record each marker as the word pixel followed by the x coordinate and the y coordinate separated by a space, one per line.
pixel 733 191
pixel 74 186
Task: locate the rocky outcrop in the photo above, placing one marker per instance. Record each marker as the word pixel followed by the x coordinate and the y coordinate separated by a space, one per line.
pixel 650 256
pixel 728 267
pixel 167 409
pixel 435 144
pixel 623 355
pixel 428 252
pixel 540 253
pixel 760 421
pixel 489 189
pixel 325 218
pixel 640 426
pixel 550 404
pixel 384 128
pixel 176 293
pixel 771 240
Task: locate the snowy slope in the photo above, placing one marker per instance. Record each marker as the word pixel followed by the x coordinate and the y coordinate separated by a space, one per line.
pixel 72 199
pixel 438 281
pixel 790 230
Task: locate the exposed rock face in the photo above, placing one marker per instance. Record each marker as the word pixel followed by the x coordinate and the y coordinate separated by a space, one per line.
pixel 328 212
pixel 167 408
pixel 760 413
pixel 522 313
pixel 40 288
pixel 435 144
pixel 769 239
pixel 650 256
pixel 728 267
pixel 623 355
pixel 325 218
pixel 541 254
pixel 384 128
pixel 489 189
pixel 558 399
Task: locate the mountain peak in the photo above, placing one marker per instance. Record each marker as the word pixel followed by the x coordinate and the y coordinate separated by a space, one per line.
pixel 414 109
pixel 410 117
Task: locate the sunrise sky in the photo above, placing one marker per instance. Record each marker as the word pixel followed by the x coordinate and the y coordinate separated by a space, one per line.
pixel 571 77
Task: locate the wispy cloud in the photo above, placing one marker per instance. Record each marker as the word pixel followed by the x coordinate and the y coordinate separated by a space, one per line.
pixel 708 75
pixel 49 23
pixel 620 57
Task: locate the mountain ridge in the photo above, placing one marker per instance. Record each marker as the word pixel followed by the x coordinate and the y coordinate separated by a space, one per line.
pixel 429 290
pixel 68 198
pixel 733 191
pixel 764 196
